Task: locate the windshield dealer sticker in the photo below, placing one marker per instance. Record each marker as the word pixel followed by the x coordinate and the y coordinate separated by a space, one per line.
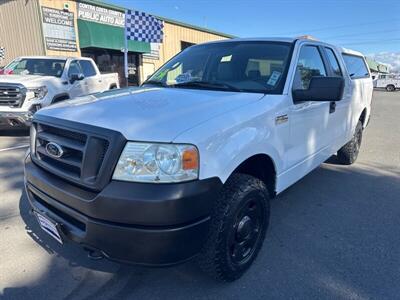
pixel 184 77
pixel 273 79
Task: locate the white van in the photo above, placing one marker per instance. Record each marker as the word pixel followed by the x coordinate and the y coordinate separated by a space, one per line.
pixel 390 82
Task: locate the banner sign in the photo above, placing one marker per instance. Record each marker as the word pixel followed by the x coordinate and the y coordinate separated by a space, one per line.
pixel 155 51
pixel 101 15
pixel 59 29
pixel 143 27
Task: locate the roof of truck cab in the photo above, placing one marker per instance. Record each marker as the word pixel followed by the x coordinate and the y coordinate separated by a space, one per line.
pixel 53 57
pixel 286 40
pixel 349 51
pixel 264 39
pixel 269 39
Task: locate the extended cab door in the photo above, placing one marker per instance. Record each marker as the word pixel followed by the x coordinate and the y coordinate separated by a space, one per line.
pixel 339 118
pixel 309 120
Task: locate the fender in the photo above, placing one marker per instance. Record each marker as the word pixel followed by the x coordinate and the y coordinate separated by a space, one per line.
pixel 242 146
pixel 222 152
pixel 236 141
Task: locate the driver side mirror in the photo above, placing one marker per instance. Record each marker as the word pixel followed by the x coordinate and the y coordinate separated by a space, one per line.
pixel 321 89
pixel 76 77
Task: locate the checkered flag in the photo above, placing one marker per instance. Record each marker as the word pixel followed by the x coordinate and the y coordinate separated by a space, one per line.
pixel 2 53
pixel 143 27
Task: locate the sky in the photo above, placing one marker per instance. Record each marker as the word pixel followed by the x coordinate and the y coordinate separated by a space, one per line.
pixel 369 26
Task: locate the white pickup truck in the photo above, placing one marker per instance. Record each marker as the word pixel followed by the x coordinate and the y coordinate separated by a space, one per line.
pixel 30 83
pixel 185 166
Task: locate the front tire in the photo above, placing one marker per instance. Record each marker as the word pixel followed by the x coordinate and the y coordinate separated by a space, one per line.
pixel 348 154
pixel 238 227
pixel 390 88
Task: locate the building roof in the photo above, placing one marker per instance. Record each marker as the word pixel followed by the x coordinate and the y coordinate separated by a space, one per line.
pixel 171 21
pixel 376 66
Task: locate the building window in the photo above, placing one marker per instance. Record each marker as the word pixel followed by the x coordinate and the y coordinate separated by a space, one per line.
pixel 185 45
pixel 112 61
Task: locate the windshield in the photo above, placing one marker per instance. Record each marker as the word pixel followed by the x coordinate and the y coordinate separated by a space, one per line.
pixel 259 67
pixel 36 66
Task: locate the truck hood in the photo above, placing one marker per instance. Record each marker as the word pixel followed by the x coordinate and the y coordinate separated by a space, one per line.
pixel 26 80
pixel 149 114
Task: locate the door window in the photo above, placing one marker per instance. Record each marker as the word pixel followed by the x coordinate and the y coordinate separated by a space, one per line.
pixel 333 62
pixel 74 68
pixel 309 65
pixel 87 68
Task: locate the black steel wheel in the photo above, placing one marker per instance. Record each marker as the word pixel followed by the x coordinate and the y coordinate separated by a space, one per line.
pixel 238 228
pixel 246 232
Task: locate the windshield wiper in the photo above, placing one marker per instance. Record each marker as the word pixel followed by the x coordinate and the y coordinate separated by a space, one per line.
pixel 154 82
pixel 208 84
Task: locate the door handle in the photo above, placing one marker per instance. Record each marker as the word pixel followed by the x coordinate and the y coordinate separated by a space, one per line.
pixel 332 107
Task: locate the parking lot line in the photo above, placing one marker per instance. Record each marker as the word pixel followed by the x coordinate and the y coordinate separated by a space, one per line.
pixel 14 148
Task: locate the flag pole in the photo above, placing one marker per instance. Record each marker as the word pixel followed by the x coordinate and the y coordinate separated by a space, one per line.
pixel 126 50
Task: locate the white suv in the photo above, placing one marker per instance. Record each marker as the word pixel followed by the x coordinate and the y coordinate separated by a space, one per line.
pixel 185 165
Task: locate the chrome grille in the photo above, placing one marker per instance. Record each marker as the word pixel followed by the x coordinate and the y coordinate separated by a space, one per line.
pixel 12 95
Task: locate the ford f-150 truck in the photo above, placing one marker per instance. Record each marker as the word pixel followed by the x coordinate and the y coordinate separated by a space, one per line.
pixel 30 83
pixel 185 166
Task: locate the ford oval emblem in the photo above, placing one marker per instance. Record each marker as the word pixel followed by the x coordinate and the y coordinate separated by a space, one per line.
pixel 54 150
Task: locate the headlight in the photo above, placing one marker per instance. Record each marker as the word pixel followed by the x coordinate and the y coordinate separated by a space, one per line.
pixel 37 93
pixel 158 163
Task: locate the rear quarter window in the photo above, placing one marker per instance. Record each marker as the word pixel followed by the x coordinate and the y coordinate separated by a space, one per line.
pixel 356 66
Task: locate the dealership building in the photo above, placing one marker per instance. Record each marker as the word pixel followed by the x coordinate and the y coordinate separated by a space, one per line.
pixel 92 29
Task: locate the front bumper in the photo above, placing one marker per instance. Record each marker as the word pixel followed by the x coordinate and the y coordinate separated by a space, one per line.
pixel 16 119
pixel 150 224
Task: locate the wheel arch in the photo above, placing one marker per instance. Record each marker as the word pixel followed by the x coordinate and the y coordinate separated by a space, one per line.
pixel 60 97
pixel 261 166
pixel 363 117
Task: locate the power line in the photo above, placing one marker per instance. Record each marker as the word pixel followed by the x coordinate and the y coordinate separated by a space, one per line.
pixel 374 42
pixel 341 26
pixel 363 33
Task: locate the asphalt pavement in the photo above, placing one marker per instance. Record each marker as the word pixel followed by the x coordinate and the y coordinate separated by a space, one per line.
pixel 333 235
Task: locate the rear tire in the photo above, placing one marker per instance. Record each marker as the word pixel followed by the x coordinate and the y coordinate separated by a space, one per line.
pixel 390 88
pixel 348 154
pixel 238 226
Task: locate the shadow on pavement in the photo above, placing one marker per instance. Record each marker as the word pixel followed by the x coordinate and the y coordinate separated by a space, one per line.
pixel 332 235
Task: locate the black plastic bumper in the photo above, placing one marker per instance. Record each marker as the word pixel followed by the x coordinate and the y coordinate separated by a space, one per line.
pixel 151 224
